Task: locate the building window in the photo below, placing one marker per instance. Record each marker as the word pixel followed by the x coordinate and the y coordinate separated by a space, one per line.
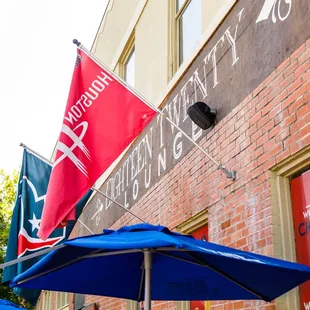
pixel 197 226
pixel 188 25
pixel 132 305
pixel 290 217
pixel 129 68
pixel 62 301
pixel 300 197
pixel 185 24
pixel 47 300
pixel 128 62
pixel 39 304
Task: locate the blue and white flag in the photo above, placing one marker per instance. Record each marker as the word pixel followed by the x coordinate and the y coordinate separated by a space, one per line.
pixel 26 219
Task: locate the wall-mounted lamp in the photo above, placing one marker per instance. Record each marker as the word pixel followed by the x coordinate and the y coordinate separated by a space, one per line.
pixel 202 115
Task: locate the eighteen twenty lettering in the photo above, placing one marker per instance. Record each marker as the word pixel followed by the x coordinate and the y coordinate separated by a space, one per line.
pixel 137 169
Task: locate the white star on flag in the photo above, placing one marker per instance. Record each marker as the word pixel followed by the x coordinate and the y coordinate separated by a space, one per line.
pixel 35 222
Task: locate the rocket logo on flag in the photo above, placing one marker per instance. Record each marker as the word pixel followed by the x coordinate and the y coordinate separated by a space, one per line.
pixel 101 119
pixel 26 220
pixel 68 151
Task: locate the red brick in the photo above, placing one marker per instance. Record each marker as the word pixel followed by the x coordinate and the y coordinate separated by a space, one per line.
pixel 303 110
pixel 269 144
pixel 241 242
pixel 262 122
pixel 262 139
pixel 304 56
pixel 306 76
pixel 295 105
pixel 298 52
pixel 271 77
pixel 257 90
pixel 269 125
pixel 264 93
pixel 252 103
pixel 280 116
pixel 274 92
pixel 303 132
pixel 262 159
pixel 302 69
pixel 276 150
pixel 256 135
pixel 275 111
pixel 283 155
pixel 288 81
pixel 302 89
pixel 283 65
pixel 291 98
pixel 284 134
pixel 295 85
pixel 290 69
pixel 260 105
pixel 280 97
pixel 268 164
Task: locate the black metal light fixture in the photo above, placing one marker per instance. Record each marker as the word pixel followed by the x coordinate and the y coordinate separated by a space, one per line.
pixel 202 115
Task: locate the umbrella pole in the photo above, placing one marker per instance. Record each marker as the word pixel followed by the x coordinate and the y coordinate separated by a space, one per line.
pixel 148 280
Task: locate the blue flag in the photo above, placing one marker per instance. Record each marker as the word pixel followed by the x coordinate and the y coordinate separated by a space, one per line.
pixel 26 218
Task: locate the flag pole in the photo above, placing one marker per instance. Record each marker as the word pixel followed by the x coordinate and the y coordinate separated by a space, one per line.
pixel 230 174
pixel 48 162
pixel 93 188
pixel 21 259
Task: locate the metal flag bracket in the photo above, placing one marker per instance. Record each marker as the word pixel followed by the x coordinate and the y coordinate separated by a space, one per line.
pixel 230 174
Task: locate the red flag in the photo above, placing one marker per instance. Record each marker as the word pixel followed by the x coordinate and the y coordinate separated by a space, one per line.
pixel 102 118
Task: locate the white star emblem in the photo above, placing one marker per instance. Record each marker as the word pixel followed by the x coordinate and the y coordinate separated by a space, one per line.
pixel 35 222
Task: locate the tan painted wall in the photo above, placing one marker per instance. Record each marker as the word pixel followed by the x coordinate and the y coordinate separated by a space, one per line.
pixel 151 43
pixel 112 29
pixel 209 9
pixel 151 39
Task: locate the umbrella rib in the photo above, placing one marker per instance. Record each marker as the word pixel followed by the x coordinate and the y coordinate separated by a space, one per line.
pixel 53 269
pixel 94 254
pixel 201 263
pixel 111 253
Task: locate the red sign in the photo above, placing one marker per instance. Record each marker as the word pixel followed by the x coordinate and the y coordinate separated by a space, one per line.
pixel 201 234
pixel 300 192
pixel 197 305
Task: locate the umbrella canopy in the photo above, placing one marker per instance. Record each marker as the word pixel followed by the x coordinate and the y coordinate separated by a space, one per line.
pixel 8 305
pixel 168 265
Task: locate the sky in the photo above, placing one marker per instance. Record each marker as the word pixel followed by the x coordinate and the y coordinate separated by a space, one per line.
pixel 36 63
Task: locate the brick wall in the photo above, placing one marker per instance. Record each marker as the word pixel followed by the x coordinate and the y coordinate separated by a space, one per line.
pixel 271 124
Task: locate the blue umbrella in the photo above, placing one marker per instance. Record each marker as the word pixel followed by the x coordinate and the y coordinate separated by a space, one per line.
pixel 168 265
pixel 8 305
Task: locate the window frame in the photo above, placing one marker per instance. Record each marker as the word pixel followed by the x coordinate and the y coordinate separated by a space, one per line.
pixel 47 300
pixel 178 16
pixel 64 298
pixel 174 35
pixel 127 53
pixel 197 221
pixel 132 305
pixel 176 70
pixel 284 246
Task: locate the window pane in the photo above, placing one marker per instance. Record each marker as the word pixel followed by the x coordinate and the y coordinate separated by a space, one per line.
pixel 47 300
pixel 179 4
pixel 62 300
pixel 130 69
pixel 190 28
